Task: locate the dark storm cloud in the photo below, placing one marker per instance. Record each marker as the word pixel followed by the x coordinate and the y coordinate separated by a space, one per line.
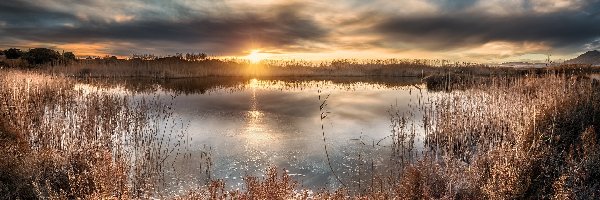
pixel 456 4
pixel 223 34
pixel 560 30
pixel 17 13
pixel 225 27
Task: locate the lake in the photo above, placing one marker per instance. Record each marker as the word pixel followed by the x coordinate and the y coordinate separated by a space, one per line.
pixel 236 127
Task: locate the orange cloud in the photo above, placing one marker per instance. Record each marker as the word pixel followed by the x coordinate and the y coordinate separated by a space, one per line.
pixel 85 49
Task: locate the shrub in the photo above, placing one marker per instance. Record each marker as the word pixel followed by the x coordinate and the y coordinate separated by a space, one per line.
pixel 41 56
pixel 13 53
pixel 69 56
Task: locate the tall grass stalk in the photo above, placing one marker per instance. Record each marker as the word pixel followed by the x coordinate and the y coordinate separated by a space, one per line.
pixel 172 67
pixel 500 138
pixel 63 142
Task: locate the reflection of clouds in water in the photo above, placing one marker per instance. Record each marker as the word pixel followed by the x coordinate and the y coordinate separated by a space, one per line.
pixel 259 126
pixel 366 112
pixel 357 107
pixel 299 104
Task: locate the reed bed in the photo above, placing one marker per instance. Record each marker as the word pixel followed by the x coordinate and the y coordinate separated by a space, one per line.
pixel 59 142
pixel 515 136
pixel 173 67
pixel 501 137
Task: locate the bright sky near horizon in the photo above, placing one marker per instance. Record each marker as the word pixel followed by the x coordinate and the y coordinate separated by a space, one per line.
pixel 466 30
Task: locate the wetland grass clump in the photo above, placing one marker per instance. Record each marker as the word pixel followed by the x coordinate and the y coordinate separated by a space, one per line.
pixel 65 143
pixel 513 137
pixel 176 67
pixel 274 185
pixel 502 137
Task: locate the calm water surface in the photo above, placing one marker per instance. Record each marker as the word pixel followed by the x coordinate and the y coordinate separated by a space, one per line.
pixel 245 126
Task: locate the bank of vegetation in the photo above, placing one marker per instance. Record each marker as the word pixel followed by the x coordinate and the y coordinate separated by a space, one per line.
pixel 200 65
pixel 495 137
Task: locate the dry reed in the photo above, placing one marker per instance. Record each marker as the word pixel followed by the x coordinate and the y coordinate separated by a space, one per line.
pixel 63 142
pixel 501 137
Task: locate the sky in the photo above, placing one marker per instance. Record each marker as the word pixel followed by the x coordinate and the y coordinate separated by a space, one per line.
pixel 484 31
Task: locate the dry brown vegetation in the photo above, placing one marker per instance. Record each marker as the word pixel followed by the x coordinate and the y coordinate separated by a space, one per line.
pixel 173 67
pixel 60 142
pixel 502 137
pixel 513 137
pixel 506 138
pixel 181 67
pixel 272 186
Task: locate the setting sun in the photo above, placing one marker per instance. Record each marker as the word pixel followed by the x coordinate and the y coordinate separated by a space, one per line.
pixel 254 56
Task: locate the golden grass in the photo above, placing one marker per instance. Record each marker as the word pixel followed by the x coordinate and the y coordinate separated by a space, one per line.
pixel 507 138
pixel 502 137
pixel 177 68
pixel 512 137
pixel 272 186
pixel 64 143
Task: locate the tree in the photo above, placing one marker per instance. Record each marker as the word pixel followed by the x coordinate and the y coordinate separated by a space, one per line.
pixel 110 58
pixel 195 57
pixel 69 56
pixel 13 53
pixel 41 56
pixel 202 56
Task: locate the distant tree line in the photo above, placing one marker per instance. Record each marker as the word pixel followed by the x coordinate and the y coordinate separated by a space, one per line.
pixel 38 56
pixel 43 56
pixel 179 56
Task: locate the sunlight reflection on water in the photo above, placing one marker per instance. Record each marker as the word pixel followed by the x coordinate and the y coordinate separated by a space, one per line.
pixel 252 124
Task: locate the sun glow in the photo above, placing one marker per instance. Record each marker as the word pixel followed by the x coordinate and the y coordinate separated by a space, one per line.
pixel 254 56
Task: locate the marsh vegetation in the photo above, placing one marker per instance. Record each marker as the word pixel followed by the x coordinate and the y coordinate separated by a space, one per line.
pixel 192 65
pixel 522 135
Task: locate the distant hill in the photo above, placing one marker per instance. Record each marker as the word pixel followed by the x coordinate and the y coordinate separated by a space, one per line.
pixel 590 57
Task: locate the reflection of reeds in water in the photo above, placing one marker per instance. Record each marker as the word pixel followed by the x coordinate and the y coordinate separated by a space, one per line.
pixel 510 137
pixel 501 138
pixel 63 143
pixel 323 114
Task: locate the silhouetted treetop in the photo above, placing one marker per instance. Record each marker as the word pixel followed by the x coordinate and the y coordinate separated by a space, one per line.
pixel 69 56
pixel 13 53
pixel 41 56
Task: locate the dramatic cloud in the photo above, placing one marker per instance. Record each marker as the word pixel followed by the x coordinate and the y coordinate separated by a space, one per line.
pixel 458 29
pixel 559 30
pixel 282 26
